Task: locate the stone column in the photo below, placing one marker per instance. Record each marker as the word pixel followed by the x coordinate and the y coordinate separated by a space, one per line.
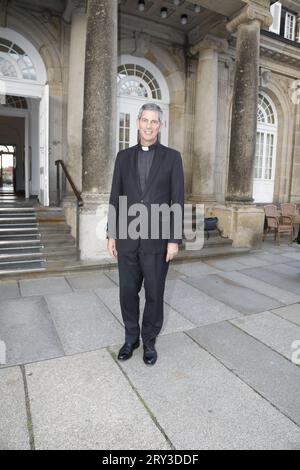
pixel 205 130
pixel 240 220
pixel 76 92
pixel 99 124
pixel 76 15
pixel 245 99
pixel 298 28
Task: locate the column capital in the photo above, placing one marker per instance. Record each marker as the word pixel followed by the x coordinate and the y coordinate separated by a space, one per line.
pixel 210 42
pixel 249 14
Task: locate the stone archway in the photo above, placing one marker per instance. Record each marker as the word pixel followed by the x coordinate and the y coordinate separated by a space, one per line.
pixel 23 73
pixel 139 82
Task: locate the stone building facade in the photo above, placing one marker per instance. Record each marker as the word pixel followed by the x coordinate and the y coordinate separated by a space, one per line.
pixel 227 75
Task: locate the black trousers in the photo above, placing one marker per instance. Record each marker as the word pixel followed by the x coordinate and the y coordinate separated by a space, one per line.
pixel 134 268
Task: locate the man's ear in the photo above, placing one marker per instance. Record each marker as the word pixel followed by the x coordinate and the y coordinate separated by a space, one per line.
pixel 138 124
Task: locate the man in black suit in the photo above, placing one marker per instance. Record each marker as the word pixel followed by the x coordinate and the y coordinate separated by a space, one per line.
pixel 148 174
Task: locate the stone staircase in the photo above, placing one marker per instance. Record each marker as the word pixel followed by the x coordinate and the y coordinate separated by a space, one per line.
pixel 34 240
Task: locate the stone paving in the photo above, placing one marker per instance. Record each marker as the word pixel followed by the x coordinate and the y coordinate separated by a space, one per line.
pixel 226 376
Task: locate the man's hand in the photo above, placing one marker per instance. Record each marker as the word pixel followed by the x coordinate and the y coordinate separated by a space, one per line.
pixel 172 251
pixel 111 247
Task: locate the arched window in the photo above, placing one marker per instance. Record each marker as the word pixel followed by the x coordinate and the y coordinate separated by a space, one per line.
pixel 14 62
pixel 17 102
pixel 139 82
pixel 136 81
pixel 265 161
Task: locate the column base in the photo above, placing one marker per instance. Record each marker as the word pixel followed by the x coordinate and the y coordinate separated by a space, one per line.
pixel 92 227
pixel 243 224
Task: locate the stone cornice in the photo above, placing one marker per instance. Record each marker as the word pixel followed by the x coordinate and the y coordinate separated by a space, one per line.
pixel 210 42
pixel 249 14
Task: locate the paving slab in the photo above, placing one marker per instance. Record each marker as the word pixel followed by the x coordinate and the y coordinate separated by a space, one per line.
pixel 271 330
pixel 173 273
pixel 282 296
pixel 44 286
pixel 173 321
pixel 273 258
pixel 85 402
pixel 9 290
pixel 233 294
pixel 294 255
pixel 291 313
pixel 28 331
pixel 287 281
pixel 198 268
pixel 267 372
pixel 90 281
pixel 295 264
pixel 196 306
pixel 13 428
pixel 225 264
pixel 202 405
pixel 83 322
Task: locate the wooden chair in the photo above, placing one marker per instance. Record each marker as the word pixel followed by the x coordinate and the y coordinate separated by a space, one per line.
pixel 274 223
pixel 290 214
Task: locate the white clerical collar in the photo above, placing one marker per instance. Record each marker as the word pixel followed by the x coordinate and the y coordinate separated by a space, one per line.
pixel 145 149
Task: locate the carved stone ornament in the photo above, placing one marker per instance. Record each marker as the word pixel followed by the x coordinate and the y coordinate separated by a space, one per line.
pixel 249 14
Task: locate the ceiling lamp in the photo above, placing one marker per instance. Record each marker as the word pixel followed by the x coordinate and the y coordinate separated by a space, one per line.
pixel 176 2
pixel 164 13
pixel 141 5
pixel 197 9
pixel 184 19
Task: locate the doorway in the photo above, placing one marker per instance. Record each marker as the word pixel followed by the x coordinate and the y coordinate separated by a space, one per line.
pixel 8 168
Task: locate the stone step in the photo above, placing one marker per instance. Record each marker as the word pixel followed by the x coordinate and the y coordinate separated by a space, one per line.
pixel 20 263
pixel 21 236
pixel 8 217
pixel 20 249
pixel 14 244
pixel 17 221
pixel 17 272
pixel 20 257
pixel 48 228
pixel 12 230
pixel 6 210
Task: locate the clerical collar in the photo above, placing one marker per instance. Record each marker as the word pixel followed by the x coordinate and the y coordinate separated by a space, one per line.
pixel 145 148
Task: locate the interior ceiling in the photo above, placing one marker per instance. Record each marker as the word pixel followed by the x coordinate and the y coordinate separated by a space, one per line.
pixel 57 6
pixel 210 9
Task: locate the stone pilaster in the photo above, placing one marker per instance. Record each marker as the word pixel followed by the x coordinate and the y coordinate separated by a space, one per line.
pixel 206 107
pixel 298 29
pixel 239 219
pixel 75 93
pixel 245 98
pixel 99 124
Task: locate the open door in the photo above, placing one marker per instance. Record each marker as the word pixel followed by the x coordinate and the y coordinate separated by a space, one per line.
pixel 44 147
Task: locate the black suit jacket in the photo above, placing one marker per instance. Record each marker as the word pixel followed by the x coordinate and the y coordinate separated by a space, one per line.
pixel 165 185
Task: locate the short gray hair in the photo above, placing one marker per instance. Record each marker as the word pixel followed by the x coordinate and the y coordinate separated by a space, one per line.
pixel 151 107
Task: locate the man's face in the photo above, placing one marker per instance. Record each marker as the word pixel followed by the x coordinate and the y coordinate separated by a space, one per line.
pixel 149 126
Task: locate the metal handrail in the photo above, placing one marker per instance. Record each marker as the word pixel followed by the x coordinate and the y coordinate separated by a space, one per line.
pixel 79 199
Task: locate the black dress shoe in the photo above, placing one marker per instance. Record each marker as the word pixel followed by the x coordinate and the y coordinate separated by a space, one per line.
pixel 127 350
pixel 150 355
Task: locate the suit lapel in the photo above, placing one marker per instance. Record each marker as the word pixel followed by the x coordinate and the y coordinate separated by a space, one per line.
pixel 136 168
pixel 157 161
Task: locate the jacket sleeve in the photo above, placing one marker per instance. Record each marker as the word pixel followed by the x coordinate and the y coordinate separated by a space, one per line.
pixel 177 199
pixel 116 192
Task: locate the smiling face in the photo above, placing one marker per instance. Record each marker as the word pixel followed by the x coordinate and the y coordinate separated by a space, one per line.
pixel 149 126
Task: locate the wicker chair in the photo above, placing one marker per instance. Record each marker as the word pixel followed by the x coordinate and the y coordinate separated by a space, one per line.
pixel 290 214
pixel 274 223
